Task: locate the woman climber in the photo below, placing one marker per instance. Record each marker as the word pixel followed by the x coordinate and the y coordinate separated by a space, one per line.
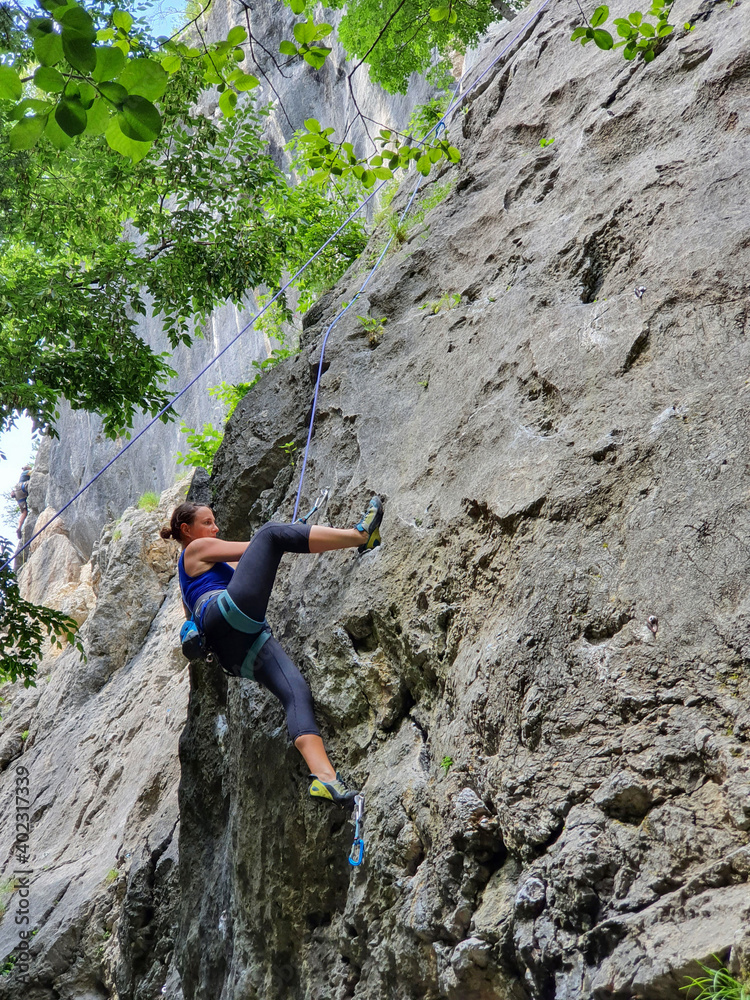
pixel 225 589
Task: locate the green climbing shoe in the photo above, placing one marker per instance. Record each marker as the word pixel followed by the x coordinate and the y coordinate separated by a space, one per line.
pixel 334 791
pixel 370 522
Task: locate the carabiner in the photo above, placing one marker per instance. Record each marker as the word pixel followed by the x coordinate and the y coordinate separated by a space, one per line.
pixel 357 853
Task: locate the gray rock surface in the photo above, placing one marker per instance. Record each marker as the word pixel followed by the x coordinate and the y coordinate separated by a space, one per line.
pixel 95 744
pixel 540 680
pixel 562 463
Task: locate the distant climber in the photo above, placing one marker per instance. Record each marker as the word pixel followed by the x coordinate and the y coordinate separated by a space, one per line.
pixel 20 494
pixel 226 587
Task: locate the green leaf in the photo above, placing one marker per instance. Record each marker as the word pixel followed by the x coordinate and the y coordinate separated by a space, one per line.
pixel 238 55
pixel 139 119
pixel 383 173
pixel 599 16
pixel 38 27
pixel 11 88
pixel 49 49
pixel 97 117
pixel 435 155
pixel 423 165
pixel 635 18
pixel 629 52
pixel 76 20
pixel 109 62
pixel 312 125
pixel 603 39
pixel 55 135
pixel 244 81
pixel 454 154
pixel 236 35
pixel 121 19
pixel 297 6
pixel 322 30
pixel 170 64
pixel 70 116
pixel 578 33
pixel 49 80
pixel 664 30
pixel 30 104
pixel 304 31
pixel 316 57
pixel 145 78
pixel 26 133
pixel 288 48
pixel 79 51
pixel 648 55
pixel 114 92
pixel 439 13
pixel 122 144
pixel 452 17
pixel 87 93
pixel 227 103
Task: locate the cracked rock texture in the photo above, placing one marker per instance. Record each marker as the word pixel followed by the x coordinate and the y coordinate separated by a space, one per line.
pixel 89 774
pixel 561 602
pixel 540 680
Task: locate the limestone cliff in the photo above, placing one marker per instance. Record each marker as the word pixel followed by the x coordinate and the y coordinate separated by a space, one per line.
pixel 540 680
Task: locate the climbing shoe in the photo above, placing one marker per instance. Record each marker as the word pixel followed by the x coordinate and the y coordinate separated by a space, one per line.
pixel 334 791
pixel 370 522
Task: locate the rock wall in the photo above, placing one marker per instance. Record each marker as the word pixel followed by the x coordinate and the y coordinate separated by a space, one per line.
pixel 89 774
pixel 541 679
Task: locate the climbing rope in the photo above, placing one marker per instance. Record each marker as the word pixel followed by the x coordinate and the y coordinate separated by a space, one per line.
pixel 256 317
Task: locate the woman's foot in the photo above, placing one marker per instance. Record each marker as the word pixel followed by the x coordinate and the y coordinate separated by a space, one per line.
pixel 334 791
pixel 369 524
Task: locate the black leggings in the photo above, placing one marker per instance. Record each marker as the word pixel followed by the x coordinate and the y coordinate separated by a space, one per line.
pixel 250 589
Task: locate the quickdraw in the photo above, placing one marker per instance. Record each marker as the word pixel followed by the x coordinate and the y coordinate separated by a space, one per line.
pixel 320 502
pixel 357 853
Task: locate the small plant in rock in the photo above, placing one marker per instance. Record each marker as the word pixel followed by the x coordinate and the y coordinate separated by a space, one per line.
pixel 717 984
pixel 446 763
pixel 546 142
pixel 25 735
pixel 375 328
pixel 149 501
pixel 117 535
pixel 8 965
pixel 289 450
pixel 111 876
pixel 444 302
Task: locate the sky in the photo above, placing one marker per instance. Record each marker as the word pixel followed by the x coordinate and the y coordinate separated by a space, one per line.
pixel 16 446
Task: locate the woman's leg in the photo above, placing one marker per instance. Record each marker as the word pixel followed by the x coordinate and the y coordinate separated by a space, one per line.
pixel 275 671
pixel 251 585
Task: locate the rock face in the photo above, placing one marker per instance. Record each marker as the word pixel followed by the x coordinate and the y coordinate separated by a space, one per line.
pixel 540 680
pixel 90 853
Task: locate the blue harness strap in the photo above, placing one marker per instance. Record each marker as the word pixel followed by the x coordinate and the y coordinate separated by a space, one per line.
pixel 241 622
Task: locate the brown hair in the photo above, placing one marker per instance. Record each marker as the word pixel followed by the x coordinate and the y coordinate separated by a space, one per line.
pixel 182 514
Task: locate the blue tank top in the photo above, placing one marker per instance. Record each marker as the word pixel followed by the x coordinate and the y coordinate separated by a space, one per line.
pixel 192 587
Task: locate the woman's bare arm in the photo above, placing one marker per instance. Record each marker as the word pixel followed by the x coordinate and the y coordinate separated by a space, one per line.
pixel 201 554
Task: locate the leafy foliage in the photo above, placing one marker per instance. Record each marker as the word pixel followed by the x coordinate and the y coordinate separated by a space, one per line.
pixel 639 35
pixel 26 628
pixel 204 444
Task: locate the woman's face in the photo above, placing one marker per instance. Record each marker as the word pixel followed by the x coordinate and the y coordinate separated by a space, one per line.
pixel 203 526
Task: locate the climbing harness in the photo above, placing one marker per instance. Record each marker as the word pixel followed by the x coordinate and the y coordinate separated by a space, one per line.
pixel 357 853
pixel 452 107
pixel 320 502
pixel 241 622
